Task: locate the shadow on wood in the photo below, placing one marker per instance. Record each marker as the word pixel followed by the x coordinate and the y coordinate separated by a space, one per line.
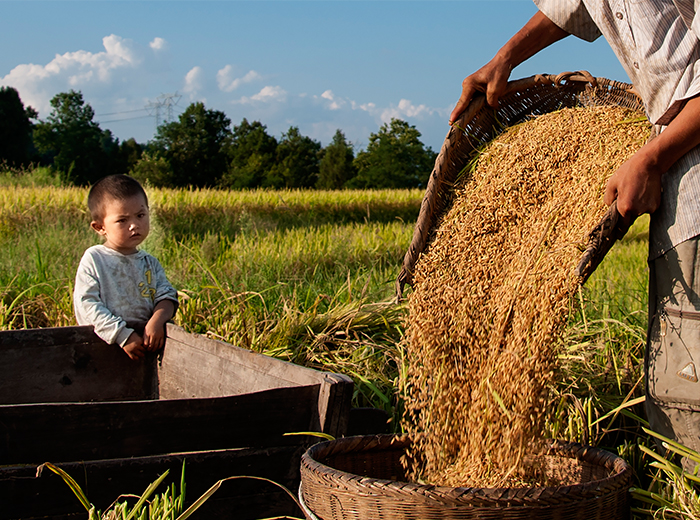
pixel 68 398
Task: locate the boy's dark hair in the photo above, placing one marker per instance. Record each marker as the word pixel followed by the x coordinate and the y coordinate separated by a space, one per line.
pixel 112 187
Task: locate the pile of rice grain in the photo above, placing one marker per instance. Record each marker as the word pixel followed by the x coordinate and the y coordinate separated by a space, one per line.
pixel 493 289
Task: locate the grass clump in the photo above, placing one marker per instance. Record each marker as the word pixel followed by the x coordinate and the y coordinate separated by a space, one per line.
pixel 168 505
pixel 30 177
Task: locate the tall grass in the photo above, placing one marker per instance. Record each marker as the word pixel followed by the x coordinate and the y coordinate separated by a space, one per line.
pixel 29 177
pixel 302 275
pixel 308 277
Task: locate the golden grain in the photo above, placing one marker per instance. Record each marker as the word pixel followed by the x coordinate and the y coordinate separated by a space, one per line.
pixel 492 292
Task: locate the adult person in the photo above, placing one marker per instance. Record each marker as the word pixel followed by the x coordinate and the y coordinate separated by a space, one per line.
pixel 657 43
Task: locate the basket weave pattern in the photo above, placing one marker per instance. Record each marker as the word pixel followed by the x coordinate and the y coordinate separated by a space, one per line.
pixel 480 124
pixel 359 478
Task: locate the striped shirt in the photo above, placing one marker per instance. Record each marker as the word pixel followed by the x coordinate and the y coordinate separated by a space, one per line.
pixel 657 43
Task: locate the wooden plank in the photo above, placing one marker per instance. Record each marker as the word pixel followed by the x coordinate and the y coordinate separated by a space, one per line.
pixel 23 496
pixel 69 364
pixel 334 404
pixel 195 365
pixel 90 431
pixel 47 337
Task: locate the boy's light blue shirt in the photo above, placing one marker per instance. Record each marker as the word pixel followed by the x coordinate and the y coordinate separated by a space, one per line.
pixel 116 292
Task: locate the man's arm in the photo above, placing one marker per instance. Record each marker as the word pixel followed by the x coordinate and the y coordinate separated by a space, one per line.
pixel 636 185
pixel 491 79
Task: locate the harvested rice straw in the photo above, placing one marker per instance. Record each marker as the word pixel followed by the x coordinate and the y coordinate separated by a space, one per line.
pixel 492 292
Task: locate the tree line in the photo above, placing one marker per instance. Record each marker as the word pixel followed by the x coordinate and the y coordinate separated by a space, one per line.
pixel 202 149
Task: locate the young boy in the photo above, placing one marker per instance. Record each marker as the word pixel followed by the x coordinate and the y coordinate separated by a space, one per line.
pixel 121 291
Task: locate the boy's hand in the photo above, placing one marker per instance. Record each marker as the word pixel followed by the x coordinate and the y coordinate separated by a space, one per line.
pixel 154 332
pixel 154 336
pixel 134 347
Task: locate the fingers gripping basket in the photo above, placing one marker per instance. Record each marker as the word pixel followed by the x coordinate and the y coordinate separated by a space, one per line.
pixel 480 123
pixel 360 478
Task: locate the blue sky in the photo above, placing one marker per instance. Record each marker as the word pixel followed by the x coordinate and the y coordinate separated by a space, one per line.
pixel 319 65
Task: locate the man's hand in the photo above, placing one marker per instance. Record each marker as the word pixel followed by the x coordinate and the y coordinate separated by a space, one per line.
pixel 636 185
pixel 538 33
pixel 491 79
pixel 134 347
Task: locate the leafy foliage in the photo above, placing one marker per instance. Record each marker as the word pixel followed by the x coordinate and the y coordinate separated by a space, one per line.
pixel 336 167
pixel 297 162
pixel 15 128
pixel 194 146
pixel 395 158
pixel 129 154
pixel 77 144
pixel 251 154
pixel 201 150
pixel 152 170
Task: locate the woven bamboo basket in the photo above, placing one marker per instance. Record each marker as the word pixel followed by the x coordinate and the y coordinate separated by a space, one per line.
pixel 480 123
pixel 361 478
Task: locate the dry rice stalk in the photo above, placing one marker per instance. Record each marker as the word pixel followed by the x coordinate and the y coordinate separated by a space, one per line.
pixel 492 292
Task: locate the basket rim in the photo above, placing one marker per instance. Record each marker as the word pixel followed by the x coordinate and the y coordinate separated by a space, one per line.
pixel 619 478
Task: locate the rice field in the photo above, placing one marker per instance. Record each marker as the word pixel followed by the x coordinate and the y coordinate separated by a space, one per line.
pixel 305 276
pixel 309 277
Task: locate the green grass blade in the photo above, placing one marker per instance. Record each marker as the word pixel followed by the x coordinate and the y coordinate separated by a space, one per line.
pixel 320 435
pixel 383 397
pixel 207 494
pixel 149 491
pixel 72 484
pixel 615 411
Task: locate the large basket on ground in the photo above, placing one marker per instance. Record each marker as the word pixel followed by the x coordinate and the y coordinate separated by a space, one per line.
pixel 480 123
pixel 361 478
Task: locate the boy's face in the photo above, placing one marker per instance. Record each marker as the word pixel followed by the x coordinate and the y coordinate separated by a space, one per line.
pixel 125 225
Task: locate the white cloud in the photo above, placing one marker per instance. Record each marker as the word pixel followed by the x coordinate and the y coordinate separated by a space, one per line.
pixel 227 83
pixel 158 44
pixel 122 78
pixel 268 94
pixel 406 109
pixel 37 84
pixel 194 81
pixel 335 102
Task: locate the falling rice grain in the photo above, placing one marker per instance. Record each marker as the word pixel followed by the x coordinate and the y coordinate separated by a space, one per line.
pixel 493 290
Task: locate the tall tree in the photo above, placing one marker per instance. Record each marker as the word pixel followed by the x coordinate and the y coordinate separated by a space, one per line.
pixel 194 146
pixel 152 169
pixel 336 166
pixel 15 128
pixel 73 139
pixel 297 162
pixel 251 155
pixel 395 158
pixel 130 153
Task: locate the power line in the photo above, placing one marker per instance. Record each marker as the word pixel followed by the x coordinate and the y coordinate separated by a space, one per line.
pixel 162 109
pixel 122 112
pixel 163 103
pixel 125 119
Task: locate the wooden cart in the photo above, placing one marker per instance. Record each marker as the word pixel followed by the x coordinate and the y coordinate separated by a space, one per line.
pixel 115 425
